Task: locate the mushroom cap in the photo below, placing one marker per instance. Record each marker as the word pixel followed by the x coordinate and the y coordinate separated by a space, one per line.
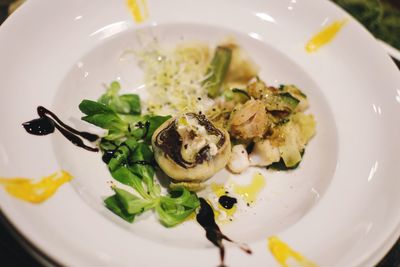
pixel 197 172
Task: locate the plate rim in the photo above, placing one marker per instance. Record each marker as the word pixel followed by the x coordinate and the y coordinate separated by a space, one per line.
pixel 52 261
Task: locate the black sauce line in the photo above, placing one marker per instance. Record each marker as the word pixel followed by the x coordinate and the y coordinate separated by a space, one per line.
pixel 146 126
pixel 75 139
pixel 48 122
pixel 142 162
pixel 205 217
pixel 43 112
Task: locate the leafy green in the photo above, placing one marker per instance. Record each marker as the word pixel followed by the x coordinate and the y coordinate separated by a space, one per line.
pixel 130 159
pixel 112 203
pixel 154 123
pixel 142 152
pixel 123 104
pixel 171 209
pixel 120 126
pixel 379 17
pixel 125 176
pixel 103 116
pixel 131 203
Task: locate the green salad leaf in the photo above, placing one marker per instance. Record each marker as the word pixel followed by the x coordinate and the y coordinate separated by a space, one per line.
pixel 123 104
pixel 103 116
pixel 120 115
pixel 154 123
pixel 130 159
pixel 112 203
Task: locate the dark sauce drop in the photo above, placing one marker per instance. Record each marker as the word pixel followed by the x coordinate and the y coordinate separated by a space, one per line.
pixel 48 122
pixel 227 202
pixel 41 126
pixel 205 217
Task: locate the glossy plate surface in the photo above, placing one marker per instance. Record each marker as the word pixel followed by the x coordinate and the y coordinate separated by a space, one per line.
pixel 340 208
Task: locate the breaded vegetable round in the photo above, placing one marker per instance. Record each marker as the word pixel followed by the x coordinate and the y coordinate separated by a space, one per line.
pixel 190 149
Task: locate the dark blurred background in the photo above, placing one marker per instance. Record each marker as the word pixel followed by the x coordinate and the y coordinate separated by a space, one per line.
pixel 381 17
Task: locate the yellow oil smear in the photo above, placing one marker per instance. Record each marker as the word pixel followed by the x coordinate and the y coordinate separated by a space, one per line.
pixel 219 190
pixel 325 36
pixel 138 9
pixel 283 253
pixel 35 192
pixel 250 192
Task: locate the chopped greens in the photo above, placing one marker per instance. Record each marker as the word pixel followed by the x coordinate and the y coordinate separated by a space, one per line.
pixel 130 160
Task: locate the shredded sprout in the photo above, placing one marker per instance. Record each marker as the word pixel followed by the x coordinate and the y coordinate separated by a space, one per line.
pixel 174 78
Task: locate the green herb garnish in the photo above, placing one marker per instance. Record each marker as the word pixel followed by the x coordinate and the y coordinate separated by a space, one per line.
pixel 131 161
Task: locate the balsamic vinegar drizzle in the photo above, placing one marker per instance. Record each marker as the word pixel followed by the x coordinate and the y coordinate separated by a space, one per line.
pixel 111 153
pixel 205 217
pixel 145 126
pixel 48 122
pixel 227 202
pixel 107 156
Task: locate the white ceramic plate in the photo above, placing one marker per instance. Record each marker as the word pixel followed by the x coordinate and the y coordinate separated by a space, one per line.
pixel 340 208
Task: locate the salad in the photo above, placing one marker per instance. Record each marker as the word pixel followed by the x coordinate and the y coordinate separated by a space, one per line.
pixel 206 110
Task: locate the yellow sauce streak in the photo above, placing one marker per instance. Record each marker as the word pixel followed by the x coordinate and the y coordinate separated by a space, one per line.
pixel 145 9
pixel 282 253
pixel 219 190
pixel 249 192
pixel 139 11
pixel 325 36
pixel 28 190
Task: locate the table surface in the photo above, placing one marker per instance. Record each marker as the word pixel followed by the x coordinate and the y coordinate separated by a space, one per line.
pixel 14 252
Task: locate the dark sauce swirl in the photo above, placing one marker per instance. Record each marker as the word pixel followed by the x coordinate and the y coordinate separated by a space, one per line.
pixel 48 122
pixel 170 142
pixel 205 217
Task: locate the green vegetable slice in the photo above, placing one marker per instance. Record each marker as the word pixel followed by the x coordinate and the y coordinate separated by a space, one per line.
pixel 217 71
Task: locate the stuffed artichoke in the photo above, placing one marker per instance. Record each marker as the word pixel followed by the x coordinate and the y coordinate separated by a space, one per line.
pixel 190 149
